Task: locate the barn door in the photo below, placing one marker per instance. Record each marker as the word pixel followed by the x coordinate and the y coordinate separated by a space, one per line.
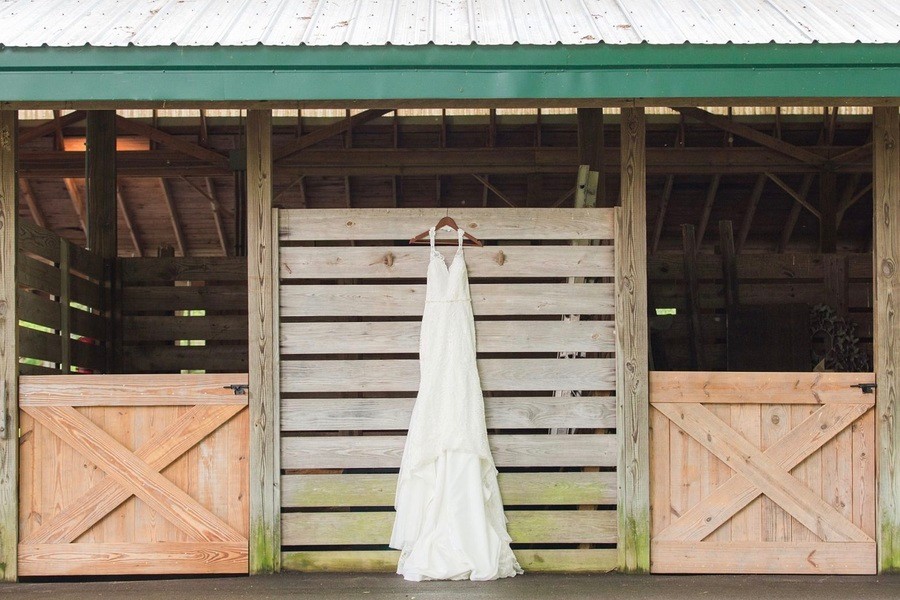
pixel 762 473
pixel 133 474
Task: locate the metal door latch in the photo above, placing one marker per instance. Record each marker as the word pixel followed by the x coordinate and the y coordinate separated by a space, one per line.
pixel 239 389
pixel 867 388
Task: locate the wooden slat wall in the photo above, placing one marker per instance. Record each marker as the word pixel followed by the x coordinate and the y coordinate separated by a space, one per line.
pixel 351 300
pixel 52 275
pixel 158 295
pixel 836 280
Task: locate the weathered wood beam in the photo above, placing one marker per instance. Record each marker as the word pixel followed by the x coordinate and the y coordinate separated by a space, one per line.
pixel 450 161
pixel 828 206
pixel 56 124
pixel 853 155
pixel 590 147
pixel 262 262
pixel 752 203
pixel 661 213
pixel 753 135
pixel 174 219
pixel 798 196
pixel 100 183
pixel 489 186
pixel 174 142
pixel 9 351
pixel 632 347
pixel 791 222
pixel 37 215
pixel 852 196
pixel 886 267
pixel 692 296
pixel 129 223
pixel 216 207
pixel 708 202
pixel 323 133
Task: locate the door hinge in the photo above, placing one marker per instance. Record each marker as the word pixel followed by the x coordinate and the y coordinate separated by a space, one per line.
pixel 867 388
pixel 239 389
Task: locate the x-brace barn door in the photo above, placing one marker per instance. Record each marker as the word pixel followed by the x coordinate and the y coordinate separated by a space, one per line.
pixel 133 474
pixel 762 473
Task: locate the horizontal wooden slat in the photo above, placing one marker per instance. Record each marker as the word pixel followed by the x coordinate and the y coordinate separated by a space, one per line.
pixel 130 390
pixel 87 324
pixel 37 240
pixel 403 337
pixel 34 274
pixel 133 558
pixel 409 300
pixel 516 489
pixel 170 298
pixel 360 452
pixel 524 526
pixel 37 309
pixel 87 292
pixel 213 328
pixel 759 388
pixel 40 345
pixel 165 358
pixel 325 414
pixel 484 223
pixel 25 369
pixel 670 266
pixel 358 262
pixel 88 356
pixel 86 262
pixel 403 375
pixel 796 558
pixel 598 560
pixel 149 270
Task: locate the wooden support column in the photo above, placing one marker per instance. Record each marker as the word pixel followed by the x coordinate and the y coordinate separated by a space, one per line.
pixel 100 183
pixel 590 148
pixel 265 497
pixel 9 351
pixel 632 407
pixel 828 207
pixel 886 268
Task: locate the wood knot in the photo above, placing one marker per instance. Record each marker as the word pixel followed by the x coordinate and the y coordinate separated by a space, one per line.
pixel 500 258
pixel 887 267
pixel 389 259
pixel 350 223
pixel 776 419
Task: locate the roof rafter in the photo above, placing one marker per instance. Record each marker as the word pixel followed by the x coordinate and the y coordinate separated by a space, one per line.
pixel 129 222
pixel 167 139
pixel 173 216
pixel 328 131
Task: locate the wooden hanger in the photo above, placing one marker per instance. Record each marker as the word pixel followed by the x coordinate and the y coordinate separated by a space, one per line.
pixel 422 238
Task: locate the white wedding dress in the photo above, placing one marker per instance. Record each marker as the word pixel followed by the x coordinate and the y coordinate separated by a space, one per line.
pixel 450 522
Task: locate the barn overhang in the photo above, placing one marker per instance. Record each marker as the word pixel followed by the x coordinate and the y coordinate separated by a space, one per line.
pixel 597 74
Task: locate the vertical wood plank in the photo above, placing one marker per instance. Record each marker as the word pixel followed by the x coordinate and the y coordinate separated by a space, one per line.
pixel 632 348
pixel 265 499
pixel 65 328
pixel 746 525
pixel 590 148
pixel 692 296
pixel 886 261
pixel 808 472
pixel 864 473
pixel 776 423
pixel 100 182
pixel 660 468
pixel 9 351
pixel 719 473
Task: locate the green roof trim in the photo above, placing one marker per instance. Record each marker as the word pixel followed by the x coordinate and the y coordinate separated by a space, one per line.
pixel 371 73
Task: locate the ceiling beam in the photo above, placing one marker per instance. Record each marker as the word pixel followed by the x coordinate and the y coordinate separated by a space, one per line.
pixel 31 200
pixel 129 222
pixel 58 122
pixel 175 143
pixel 173 216
pixel 323 133
pixel 754 135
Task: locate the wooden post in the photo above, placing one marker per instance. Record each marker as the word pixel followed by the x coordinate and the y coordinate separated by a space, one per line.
pixel 100 183
pixel 692 295
pixel 886 263
pixel 265 498
pixel 729 264
pixel 632 402
pixel 9 351
pixel 828 208
pixel 590 148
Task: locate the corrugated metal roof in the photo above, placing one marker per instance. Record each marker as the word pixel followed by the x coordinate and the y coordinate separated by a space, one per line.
pixel 72 23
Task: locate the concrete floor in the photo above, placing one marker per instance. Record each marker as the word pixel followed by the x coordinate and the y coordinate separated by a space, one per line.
pixel 538 587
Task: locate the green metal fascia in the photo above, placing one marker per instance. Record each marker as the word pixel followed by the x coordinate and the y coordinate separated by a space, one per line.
pixel 305 73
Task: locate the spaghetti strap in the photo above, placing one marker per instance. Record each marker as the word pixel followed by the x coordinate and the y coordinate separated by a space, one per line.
pixel 459 238
pixel 431 239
